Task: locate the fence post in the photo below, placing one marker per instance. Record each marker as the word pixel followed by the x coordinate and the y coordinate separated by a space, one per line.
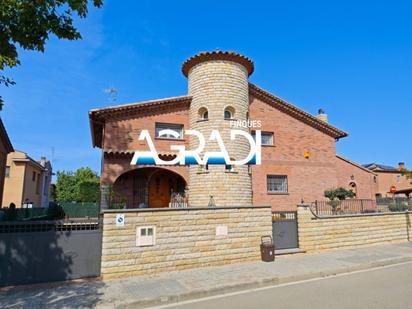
pixel 361 203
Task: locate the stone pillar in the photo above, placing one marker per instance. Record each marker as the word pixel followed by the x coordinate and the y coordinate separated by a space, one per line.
pixel 104 195
pixel 218 81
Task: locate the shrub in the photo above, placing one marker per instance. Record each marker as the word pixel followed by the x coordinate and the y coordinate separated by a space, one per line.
pixel 398 207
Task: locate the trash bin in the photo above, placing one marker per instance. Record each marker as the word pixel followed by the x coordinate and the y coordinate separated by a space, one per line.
pixel 267 249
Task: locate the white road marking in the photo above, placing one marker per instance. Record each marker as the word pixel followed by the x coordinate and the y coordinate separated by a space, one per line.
pixel 198 300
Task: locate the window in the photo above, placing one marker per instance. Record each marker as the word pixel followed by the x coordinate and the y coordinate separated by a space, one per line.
pixel 33 176
pixel 229 113
pixel 38 184
pixel 170 131
pixel 7 172
pixel 203 113
pixel 398 178
pixel 277 183
pixel 266 137
pixel 146 236
pixel 229 168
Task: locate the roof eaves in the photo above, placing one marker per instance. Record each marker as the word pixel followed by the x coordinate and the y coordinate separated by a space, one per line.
pixel 5 137
pixel 295 112
pixel 356 164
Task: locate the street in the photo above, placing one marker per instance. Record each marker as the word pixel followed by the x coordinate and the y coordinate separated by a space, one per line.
pixel 387 287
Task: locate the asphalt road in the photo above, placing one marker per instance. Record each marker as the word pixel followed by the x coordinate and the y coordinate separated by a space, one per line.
pixel 388 287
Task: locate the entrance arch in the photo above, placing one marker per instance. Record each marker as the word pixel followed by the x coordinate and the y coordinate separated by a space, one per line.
pixel 148 187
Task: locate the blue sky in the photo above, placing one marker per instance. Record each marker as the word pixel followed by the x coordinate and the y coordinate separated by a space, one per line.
pixel 352 58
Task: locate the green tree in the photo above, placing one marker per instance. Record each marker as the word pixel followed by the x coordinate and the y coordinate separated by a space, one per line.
pixel 83 185
pixel 407 173
pixel 335 197
pixel 28 24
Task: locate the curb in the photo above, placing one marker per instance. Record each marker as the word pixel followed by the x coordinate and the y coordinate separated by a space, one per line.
pixel 221 290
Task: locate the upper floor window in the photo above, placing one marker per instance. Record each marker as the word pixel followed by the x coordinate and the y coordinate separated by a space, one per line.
pixel 33 176
pixel 203 113
pixel 266 137
pixel 398 178
pixel 169 130
pixel 277 183
pixel 7 172
pixel 229 113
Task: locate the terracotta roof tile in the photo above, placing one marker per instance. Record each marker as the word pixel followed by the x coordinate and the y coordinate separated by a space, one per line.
pixel 217 55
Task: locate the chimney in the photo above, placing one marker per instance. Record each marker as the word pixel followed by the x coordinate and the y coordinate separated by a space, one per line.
pixel 322 116
pixel 43 161
pixel 401 165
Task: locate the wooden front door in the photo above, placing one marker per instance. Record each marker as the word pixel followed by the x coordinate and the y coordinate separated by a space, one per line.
pixel 160 187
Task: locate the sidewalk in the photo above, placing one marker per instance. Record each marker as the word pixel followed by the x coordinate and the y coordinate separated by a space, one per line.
pixel 177 286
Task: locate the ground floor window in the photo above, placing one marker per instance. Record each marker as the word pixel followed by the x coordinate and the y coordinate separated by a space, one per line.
pixel 277 183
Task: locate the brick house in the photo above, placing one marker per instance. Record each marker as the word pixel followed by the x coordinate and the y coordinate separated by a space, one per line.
pixel 299 160
pixel 389 176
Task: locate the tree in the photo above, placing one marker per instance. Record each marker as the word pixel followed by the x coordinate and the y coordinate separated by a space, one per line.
pixel 407 173
pixel 28 24
pixel 83 185
pixel 339 194
pixel 335 197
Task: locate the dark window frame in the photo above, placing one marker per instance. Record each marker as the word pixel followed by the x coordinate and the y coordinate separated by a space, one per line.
pixel 275 177
pixel 272 134
pixel 171 126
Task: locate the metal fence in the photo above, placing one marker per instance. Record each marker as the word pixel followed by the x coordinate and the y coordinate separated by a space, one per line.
pixel 392 204
pixel 80 210
pixel 350 206
pixel 54 212
pixel 46 251
pixel 45 226
pixel 360 206
pixel 285 229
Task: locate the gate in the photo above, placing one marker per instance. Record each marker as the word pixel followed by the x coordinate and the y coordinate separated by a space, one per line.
pixel 45 251
pixel 285 229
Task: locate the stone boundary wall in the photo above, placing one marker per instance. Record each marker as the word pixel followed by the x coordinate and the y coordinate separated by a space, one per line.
pixel 185 238
pixel 350 231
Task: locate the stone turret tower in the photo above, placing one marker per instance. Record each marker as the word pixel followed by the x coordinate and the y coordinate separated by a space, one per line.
pixel 218 84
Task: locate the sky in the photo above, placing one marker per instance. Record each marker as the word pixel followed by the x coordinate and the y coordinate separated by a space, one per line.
pixel 351 58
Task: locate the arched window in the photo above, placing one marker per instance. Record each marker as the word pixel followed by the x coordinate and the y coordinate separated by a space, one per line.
pixel 354 188
pixel 203 113
pixel 229 113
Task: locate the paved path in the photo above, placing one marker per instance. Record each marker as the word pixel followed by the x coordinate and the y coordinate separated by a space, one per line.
pixel 190 284
pixel 381 288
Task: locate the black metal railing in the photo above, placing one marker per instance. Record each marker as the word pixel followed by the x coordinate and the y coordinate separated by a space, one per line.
pixel 344 207
pixel 46 226
pixel 284 215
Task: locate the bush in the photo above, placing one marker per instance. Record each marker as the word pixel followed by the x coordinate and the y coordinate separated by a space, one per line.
pixel 398 207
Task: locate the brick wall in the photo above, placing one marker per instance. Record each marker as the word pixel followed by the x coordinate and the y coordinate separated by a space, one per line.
pixel 318 234
pixel 185 238
pixel 348 172
pixel 388 179
pixel 122 134
pixel 308 178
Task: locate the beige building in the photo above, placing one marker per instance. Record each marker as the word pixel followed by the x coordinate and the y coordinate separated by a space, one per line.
pixel 389 176
pixel 27 181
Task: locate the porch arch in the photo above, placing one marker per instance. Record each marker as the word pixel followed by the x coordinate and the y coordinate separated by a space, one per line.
pixel 148 187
